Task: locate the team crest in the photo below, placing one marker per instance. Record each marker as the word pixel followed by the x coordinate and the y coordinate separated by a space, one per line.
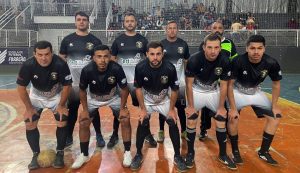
pixel 89 46
pixel 111 80
pixel 53 76
pixel 218 71
pixel 263 73
pixel 139 44
pixel 164 79
pixel 180 50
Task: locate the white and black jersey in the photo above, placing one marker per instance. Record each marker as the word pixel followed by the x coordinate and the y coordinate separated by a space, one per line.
pixel 79 51
pixel 207 73
pixel 47 81
pixel 130 50
pixel 102 86
pixel 156 82
pixel 176 52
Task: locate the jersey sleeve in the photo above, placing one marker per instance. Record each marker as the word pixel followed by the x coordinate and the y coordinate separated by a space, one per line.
pixel 174 83
pixel 63 47
pixel 24 75
pixel 121 78
pixel 145 46
pixel 114 48
pixel 275 71
pixel 187 51
pixel 138 81
pixel 65 75
pixel 191 66
pixel 83 84
pixel 226 73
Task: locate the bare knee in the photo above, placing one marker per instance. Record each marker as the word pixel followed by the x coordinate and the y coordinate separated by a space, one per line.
pixel 84 123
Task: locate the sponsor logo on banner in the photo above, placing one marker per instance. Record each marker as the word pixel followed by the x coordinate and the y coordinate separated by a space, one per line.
pixel 13 56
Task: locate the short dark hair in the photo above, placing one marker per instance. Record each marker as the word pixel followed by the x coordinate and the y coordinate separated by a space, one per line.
pixel 42 45
pixel 100 47
pixel 81 13
pixel 154 44
pixel 256 39
pixel 212 37
pixel 172 21
pixel 130 14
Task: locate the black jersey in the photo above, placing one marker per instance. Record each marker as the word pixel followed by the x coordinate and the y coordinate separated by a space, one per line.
pixel 208 72
pixel 102 85
pixel 130 50
pixel 227 48
pixel 155 82
pixel 250 75
pixel 79 50
pixel 46 81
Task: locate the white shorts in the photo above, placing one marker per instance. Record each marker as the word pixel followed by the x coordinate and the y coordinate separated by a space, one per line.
pixel 41 103
pixel 113 103
pixel 204 98
pixel 162 108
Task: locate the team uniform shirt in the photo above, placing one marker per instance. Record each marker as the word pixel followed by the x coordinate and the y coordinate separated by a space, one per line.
pixel 176 52
pixel 103 87
pixel 248 77
pixel 156 83
pixel 227 48
pixel 130 50
pixel 79 50
pixel 46 82
pixel 206 75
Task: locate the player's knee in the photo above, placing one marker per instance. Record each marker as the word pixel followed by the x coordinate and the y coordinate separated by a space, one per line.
pixel 191 123
pixel 84 123
pixel 171 122
pixel 124 120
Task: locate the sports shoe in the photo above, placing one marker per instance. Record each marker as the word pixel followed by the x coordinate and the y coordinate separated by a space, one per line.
pixel 237 159
pixel 180 163
pixel 203 135
pixel 100 141
pixel 69 141
pixel 34 163
pixel 81 159
pixel 228 162
pixel 112 141
pixel 136 162
pixel 59 160
pixel 127 159
pixel 267 157
pixel 189 160
pixel 161 136
pixel 184 135
pixel 151 141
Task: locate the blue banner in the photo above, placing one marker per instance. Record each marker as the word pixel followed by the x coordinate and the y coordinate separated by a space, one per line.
pixel 13 56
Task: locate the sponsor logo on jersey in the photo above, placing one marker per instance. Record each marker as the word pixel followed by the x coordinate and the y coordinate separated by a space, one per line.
pixel 263 73
pixel 245 72
pixel 68 77
pixel 111 80
pixel 218 71
pixel 53 76
pixel 89 46
pixel 131 61
pixel 279 73
pixel 180 50
pixel 94 82
pixel 122 44
pixel 71 45
pixel 165 50
pixel 123 81
pixel 201 69
pixel 139 44
pixel 177 82
pixel 229 73
pixel 35 76
pixel 164 79
pixel 146 79
pixel 3 56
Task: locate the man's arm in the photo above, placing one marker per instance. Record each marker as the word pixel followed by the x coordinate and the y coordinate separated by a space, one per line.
pixel 83 99
pixel 189 90
pixel 223 93
pixel 275 96
pixel 233 113
pixel 124 96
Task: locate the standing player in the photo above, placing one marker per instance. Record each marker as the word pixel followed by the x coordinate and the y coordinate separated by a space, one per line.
pixel 204 70
pixel 51 84
pixel 177 52
pixel 128 49
pixel 77 49
pixel 229 50
pixel 154 80
pixel 249 71
pixel 103 78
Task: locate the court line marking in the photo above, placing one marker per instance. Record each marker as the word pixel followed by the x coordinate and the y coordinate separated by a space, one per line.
pixel 8 84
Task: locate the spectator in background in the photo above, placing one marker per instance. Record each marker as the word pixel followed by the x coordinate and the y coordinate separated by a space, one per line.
pixel 201 9
pixel 212 8
pixel 236 27
pixel 226 22
pixel 293 24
